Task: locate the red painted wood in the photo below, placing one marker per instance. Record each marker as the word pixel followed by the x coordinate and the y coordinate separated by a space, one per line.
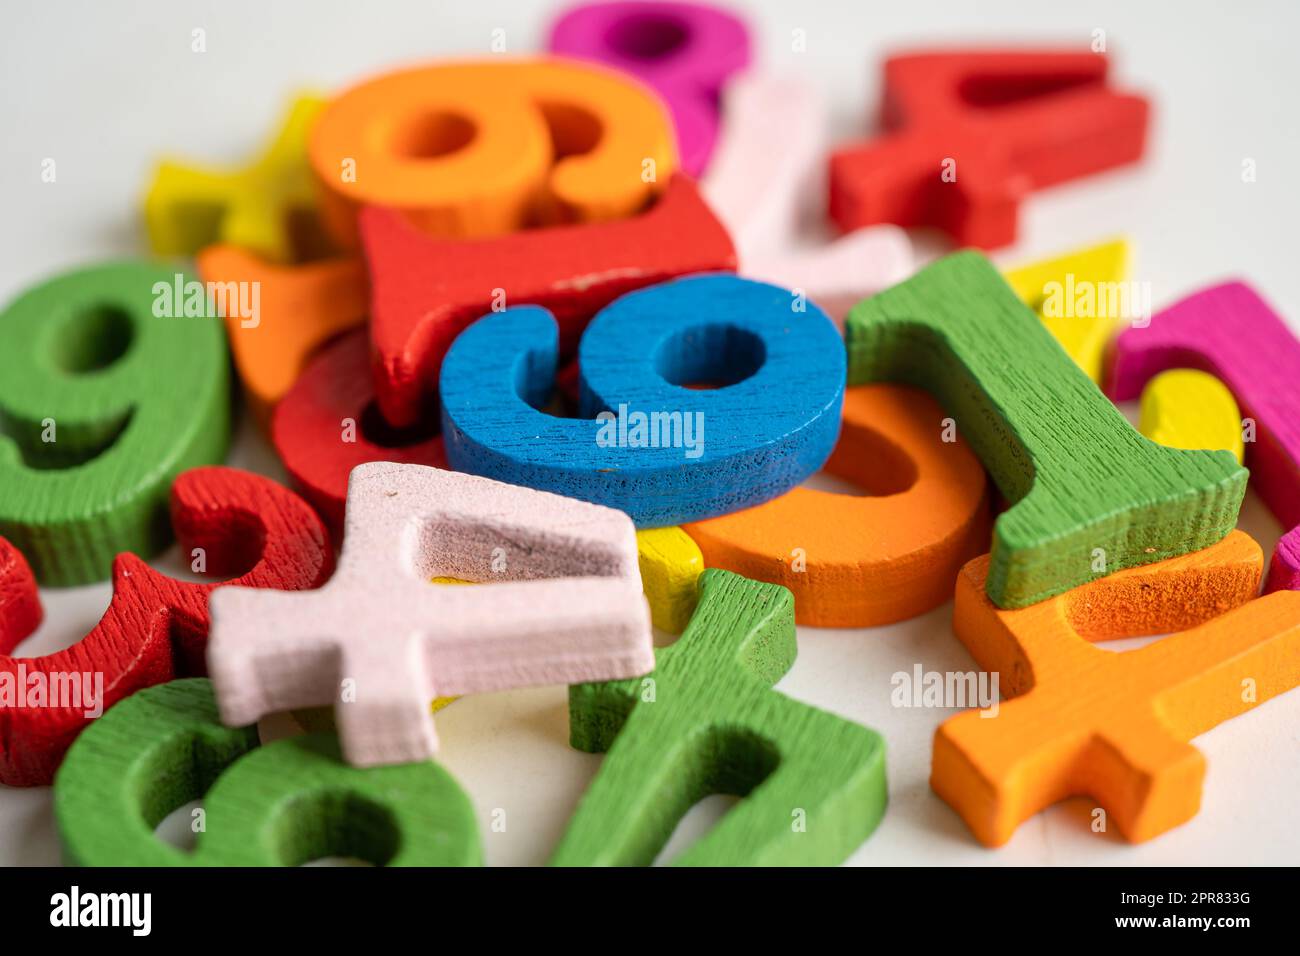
pixel 309 432
pixel 425 290
pixel 1013 122
pixel 156 627
pixel 20 603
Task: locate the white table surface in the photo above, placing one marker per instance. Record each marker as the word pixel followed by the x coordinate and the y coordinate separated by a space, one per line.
pixel 104 88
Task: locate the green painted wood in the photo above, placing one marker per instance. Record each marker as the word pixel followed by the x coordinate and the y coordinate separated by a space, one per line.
pixel 1089 494
pixel 708 721
pixel 131 399
pixel 281 804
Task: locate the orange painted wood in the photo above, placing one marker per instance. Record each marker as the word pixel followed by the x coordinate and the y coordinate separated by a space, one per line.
pixel 862 561
pixel 1113 726
pixel 483 148
pixel 156 627
pixel 426 291
pixel 300 307
pixel 970 133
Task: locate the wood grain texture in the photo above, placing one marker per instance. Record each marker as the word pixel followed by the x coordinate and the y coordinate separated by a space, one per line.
pixel 708 721
pixel 1089 494
pixel 1115 727
pixel 1185 408
pixel 670 565
pixel 379 643
pixel 20 602
pixel 425 291
pixel 156 627
pixel 282 804
pixel 685 52
pixel 1229 331
pixel 103 403
pixel 329 423
pixel 266 207
pixel 726 448
pixel 885 556
pixel 299 308
pixel 1284 568
pixel 486 147
pixel 771 148
pixel 970 133
pixel 1042 284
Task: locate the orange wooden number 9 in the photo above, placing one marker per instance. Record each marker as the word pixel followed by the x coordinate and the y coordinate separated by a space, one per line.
pixel 484 148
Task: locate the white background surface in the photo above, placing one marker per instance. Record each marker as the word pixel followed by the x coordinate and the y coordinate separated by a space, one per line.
pixel 105 88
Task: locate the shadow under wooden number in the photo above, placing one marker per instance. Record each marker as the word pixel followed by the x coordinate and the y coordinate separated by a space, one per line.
pixel 708 721
pixel 281 804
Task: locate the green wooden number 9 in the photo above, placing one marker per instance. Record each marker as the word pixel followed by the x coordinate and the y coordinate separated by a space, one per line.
pixel 109 388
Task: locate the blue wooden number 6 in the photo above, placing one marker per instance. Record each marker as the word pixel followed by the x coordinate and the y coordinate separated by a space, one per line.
pixel 648 443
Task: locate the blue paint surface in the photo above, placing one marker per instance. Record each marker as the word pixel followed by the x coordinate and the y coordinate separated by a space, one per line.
pixel 771 422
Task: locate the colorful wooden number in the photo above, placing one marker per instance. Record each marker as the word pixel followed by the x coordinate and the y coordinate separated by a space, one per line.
pixel 1184 408
pixel 229 522
pixel 1115 727
pixel 684 51
pixel 770 146
pixel 708 721
pixel 970 133
pixel 486 148
pixel 642 445
pixel 670 563
pixel 426 291
pixel 1229 331
pixel 1089 494
pixel 1056 287
pixel 268 207
pixel 113 380
pixel 329 423
pixel 380 643
pixel 855 561
pixel 298 307
pixel 281 804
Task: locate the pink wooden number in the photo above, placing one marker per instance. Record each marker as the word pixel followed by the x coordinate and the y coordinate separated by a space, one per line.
pixel 685 51
pixel 380 642
pixel 1229 331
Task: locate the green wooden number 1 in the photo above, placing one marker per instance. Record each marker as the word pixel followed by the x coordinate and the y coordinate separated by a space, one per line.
pixel 108 391
pixel 1089 494
pixel 708 721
